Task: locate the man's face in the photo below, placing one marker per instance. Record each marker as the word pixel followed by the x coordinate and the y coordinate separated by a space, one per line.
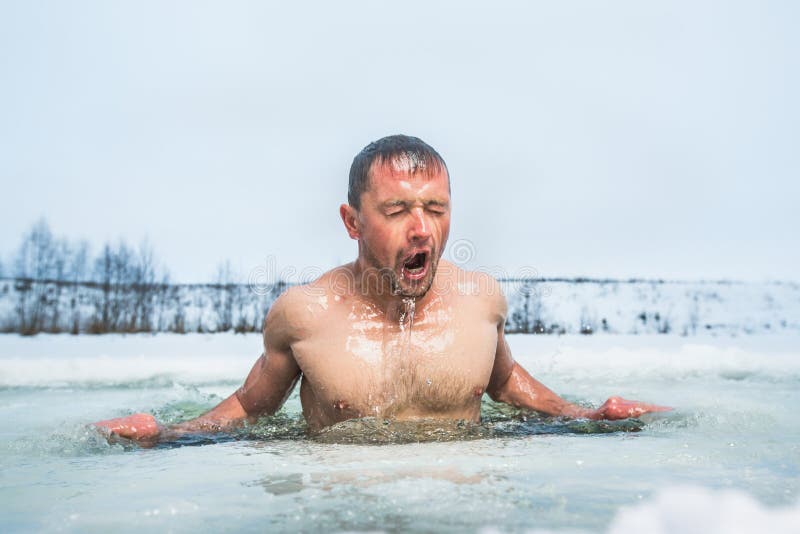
pixel 404 222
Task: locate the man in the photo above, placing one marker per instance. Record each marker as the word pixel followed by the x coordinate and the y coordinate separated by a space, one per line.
pixel 399 333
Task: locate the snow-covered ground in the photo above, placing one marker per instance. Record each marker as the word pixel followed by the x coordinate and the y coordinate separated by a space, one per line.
pixel 62 360
pixel 650 307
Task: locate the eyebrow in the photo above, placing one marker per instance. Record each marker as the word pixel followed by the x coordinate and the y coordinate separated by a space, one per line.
pixel 402 203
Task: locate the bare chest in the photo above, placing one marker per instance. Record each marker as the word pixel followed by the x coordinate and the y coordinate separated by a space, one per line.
pixel 368 368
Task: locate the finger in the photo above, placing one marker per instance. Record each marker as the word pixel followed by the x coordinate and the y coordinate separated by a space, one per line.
pixel 136 426
pixel 107 426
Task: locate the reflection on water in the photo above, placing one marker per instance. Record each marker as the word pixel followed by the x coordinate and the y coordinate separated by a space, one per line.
pixel 283 484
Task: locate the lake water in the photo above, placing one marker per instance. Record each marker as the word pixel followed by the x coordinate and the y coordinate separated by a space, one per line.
pixel 726 460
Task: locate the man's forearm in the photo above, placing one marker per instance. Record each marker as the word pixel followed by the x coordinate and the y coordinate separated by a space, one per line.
pixel 144 429
pixel 523 391
pixel 227 415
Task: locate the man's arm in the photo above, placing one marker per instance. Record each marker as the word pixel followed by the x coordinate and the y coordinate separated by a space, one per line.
pixel 143 427
pixel 267 386
pixel 512 384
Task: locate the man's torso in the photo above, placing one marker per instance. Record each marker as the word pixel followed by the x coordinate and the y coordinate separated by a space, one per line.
pixel 417 361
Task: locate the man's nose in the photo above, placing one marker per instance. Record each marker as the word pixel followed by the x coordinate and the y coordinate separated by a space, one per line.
pixel 420 228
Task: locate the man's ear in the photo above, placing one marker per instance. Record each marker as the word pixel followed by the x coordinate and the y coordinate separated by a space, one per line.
pixel 350 219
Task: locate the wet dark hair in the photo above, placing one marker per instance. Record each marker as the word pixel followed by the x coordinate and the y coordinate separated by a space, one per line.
pixel 421 156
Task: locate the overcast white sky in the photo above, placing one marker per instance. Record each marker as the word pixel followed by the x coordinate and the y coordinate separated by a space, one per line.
pixel 655 139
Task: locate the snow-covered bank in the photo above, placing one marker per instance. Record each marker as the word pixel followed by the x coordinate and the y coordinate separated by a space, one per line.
pixel 653 307
pixel 56 360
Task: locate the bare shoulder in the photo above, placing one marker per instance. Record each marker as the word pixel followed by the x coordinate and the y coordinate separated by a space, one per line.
pixel 281 326
pixel 477 286
pixel 297 310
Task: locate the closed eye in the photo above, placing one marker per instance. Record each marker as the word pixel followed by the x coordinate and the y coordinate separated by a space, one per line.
pixel 436 207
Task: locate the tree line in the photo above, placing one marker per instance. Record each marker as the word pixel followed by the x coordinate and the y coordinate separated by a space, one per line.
pixel 56 285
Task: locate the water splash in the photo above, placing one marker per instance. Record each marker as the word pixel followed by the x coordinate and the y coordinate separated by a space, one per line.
pixel 406 320
pixel 377 431
pixel 498 421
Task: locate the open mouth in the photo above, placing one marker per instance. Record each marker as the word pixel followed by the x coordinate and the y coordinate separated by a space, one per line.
pixel 416 266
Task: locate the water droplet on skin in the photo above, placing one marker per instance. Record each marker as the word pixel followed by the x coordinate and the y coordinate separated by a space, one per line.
pixel 407 312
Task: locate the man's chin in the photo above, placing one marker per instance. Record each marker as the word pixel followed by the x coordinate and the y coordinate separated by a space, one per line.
pixel 413 288
pixel 413 294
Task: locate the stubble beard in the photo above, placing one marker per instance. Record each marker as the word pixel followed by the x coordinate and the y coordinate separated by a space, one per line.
pixel 396 284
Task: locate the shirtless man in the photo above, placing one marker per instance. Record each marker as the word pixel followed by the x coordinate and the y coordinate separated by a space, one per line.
pixel 399 333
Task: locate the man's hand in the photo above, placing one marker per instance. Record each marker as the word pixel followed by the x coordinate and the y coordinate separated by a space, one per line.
pixel 140 427
pixel 619 408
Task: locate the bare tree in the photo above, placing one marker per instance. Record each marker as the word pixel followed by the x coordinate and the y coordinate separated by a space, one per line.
pixel 60 254
pixel 77 276
pixel 144 281
pixel 59 286
pixel 34 266
pixel 224 290
pixel 123 277
pixel 179 318
pixel 162 303
pixel 103 276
